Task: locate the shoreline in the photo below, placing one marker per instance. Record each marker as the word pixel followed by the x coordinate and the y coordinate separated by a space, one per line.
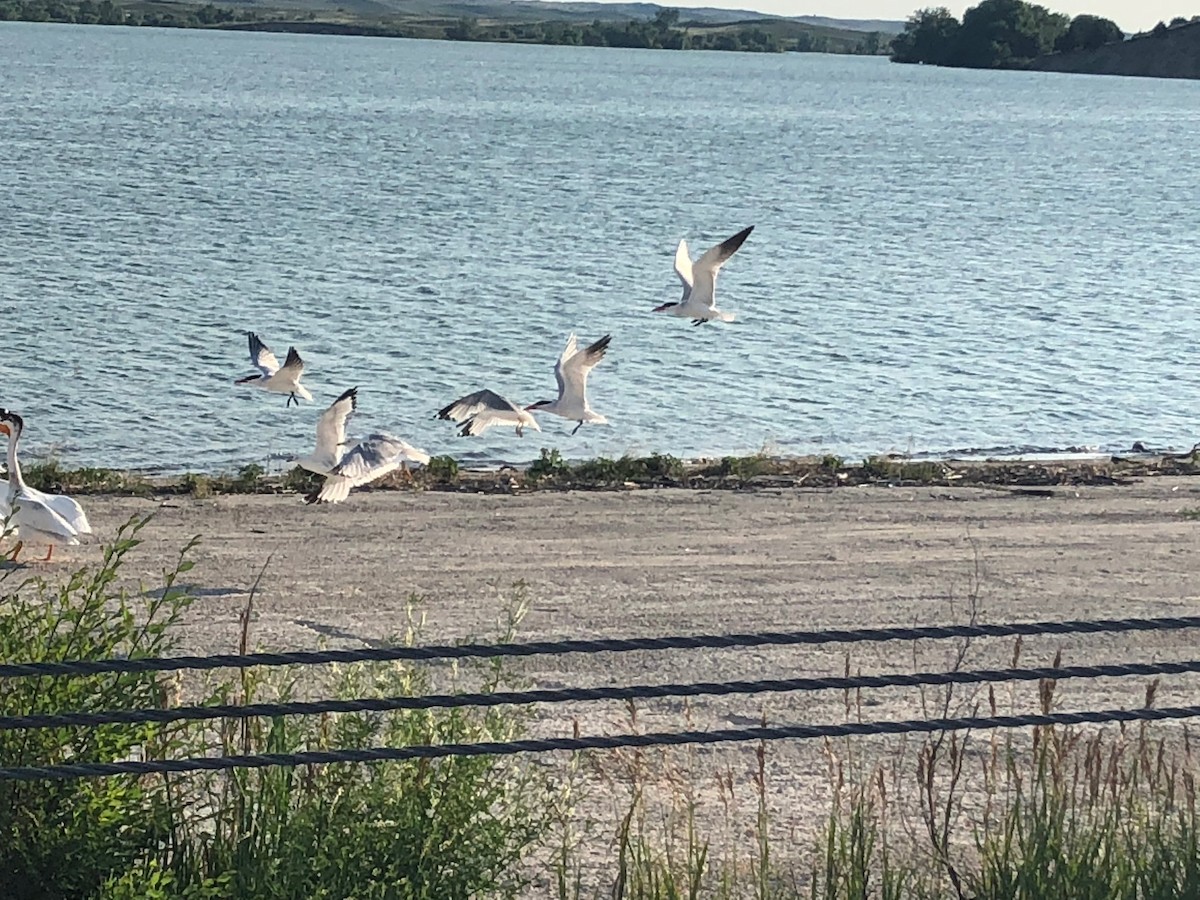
pixel 551 472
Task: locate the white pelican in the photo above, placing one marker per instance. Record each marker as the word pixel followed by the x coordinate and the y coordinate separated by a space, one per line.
pixel 699 279
pixel 368 460
pixel 481 410
pixel 273 377
pixel 571 370
pixel 38 517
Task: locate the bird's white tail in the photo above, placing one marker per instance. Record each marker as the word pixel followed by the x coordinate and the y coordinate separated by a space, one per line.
pixel 725 316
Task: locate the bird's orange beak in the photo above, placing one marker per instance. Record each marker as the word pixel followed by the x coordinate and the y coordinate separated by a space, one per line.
pixel 4 429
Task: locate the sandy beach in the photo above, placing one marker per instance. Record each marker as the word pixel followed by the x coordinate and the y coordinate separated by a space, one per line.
pixel 652 562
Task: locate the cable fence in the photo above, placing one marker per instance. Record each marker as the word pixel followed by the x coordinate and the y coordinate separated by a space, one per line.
pixel 111 717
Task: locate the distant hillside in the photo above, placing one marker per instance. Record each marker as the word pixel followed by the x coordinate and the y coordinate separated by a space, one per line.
pixel 1162 53
pixel 573 11
pixel 462 21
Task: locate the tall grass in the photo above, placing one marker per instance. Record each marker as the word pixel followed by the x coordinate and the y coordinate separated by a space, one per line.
pixel 421 829
pixel 66 838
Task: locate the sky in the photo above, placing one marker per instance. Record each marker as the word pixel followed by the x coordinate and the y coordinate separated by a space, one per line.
pixel 1131 16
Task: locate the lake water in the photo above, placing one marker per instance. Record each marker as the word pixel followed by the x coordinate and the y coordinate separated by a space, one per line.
pixel 942 260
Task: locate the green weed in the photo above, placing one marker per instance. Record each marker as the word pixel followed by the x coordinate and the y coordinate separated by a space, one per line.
pixel 300 481
pixel 547 467
pixel 50 476
pixel 67 838
pixel 198 486
pixel 410 830
pixel 442 470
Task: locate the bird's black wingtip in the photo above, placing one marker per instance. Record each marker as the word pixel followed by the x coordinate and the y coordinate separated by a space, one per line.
pixel 730 246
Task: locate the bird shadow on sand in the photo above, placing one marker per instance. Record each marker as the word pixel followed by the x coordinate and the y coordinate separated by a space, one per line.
pixel 194 590
pixel 333 631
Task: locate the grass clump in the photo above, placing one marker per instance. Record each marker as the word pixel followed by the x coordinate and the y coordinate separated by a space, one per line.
pixel 1059 811
pixel 410 830
pixel 249 477
pixel 300 481
pixel 739 468
pixel 442 470
pixel 657 470
pixel 900 471
pixel 452 828
pixel 53 478
pixel 198 486
pixel 549 466
pixel 68 838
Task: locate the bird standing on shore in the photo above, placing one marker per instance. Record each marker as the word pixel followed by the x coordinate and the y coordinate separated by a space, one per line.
pixel 368 460
pixel 38 517
pixel 572 370
pixel 277 379
pixel 699 301
pixel 481 410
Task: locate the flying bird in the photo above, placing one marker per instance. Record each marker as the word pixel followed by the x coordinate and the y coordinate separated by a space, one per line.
pixel 481 410
pixel 277 379
pixel 571 370
pixel 38 517
pixel 363 462
pixel 699 301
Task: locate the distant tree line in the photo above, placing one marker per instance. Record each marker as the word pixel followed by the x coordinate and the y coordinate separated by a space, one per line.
pixel 997 34
pixel 663 32
pixel 88 12
pixel 1162 27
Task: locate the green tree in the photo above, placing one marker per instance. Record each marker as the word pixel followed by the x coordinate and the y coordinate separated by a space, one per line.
pixel 110 13
pixel 666 19
pixel 466 29
pixel 928 37
pixel 1087 33
pixel 1006 33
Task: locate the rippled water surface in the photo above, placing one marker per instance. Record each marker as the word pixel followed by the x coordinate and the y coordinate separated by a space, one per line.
pixel 942 259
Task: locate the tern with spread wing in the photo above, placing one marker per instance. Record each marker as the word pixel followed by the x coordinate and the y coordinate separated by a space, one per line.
pixel 699 278
pixel 346 467
pixel 272 377
pixel 51 519
pixel 572 370
pixel 481 410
